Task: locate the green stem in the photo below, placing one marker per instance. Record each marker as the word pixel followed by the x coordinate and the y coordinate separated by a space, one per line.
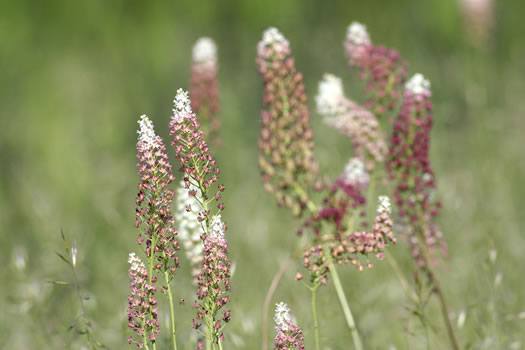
pixel 358 345
pixel 172 311
pixel 220 345
pixel 314 312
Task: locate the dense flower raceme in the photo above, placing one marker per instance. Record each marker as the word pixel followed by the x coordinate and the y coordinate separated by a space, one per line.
pixel 214 281
pixel 142 304
pixel 189 228
pixel 196 162
pixel 409 169
pixel 204 92
pixel 154 200
pixel 352 120
pixel 382 69
pixel 289 336
pixel 286 143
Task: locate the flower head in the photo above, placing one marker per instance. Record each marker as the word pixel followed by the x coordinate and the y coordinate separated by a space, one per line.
pixel 289 336
pixel 357 34
pixel 216 226
pixel 355 173
pixel 330 95
pixel 286 142
pixel 203 88
pixel 182 105
pixel 418 85
pixel 384 205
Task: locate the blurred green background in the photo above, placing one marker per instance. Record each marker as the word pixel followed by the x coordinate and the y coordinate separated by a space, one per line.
pixel 77 74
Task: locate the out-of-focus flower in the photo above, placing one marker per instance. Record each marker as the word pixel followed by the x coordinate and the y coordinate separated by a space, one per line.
pixel 409 169
pixel 203 88
pixel 352 120
pixel 286 143
pixel 289 336
pixel 478 17
pixel 382 69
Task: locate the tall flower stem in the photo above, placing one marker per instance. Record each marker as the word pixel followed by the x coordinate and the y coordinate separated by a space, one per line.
pixel 358 345
pixel 314 313
pixel 172 311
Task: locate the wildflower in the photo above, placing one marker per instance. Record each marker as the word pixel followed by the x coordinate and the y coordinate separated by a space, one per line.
pixel 154 199
pixel 286 142
pixel 351 120
pixel 142 304
pixel 203 87
pixel 289 336
pixel 382 69
pixel 196 162
pixel 409 168
pixel 189 228
pixel 214 281
pixel 478 17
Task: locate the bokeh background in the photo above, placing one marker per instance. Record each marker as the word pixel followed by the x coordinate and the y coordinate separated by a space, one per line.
pixel 77 74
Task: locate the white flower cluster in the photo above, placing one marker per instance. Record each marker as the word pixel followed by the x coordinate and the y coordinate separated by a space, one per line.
pixel 181 105
pixel 357 34
pixel 205 52
pixel 216 226
pixel 330 95
pixel 189 229
pixel 418 85
pixel 282 316
pixel 355 172
pixel 135 262
pixel 272 37
pixel 384 205
pixel 147 132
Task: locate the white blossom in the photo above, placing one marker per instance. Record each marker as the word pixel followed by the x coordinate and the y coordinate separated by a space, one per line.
pixel 272 37
pixel 355 172
pixel 418 85
pixel 205 52
pixel 330 95
pixel 147 132
pixel 135 262
pixel 189 229
pixel 216 226
pixel 384 205
pixel 282 316
pixel 181 105
pixel 357 34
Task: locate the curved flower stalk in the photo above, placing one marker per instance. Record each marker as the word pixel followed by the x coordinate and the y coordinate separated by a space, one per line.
pixel 200 182
pixel 382 69
pixel 214 283
pixel 153 212
pixel 351 120
pixel 289 336
pixel 143 316
pixel 189 228
pixel 286 143
pixel 409 169
pixel 204 92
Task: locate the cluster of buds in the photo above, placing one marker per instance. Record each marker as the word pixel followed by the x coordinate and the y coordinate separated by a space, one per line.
pixel 352 120
pixel 289 336
pixel 348 246
pixel 197 164
pixel 409 169
pixel 142 304
pixel 189 228
pixel 203 88
pixel 154 199
pixel 214 281
pixel 286 143
pixel 382 69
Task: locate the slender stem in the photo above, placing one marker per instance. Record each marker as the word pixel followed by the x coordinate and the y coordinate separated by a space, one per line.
pixel 172 311
pixel 397 270
pixel 220 344
pixel 314 313
pixel 358 345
